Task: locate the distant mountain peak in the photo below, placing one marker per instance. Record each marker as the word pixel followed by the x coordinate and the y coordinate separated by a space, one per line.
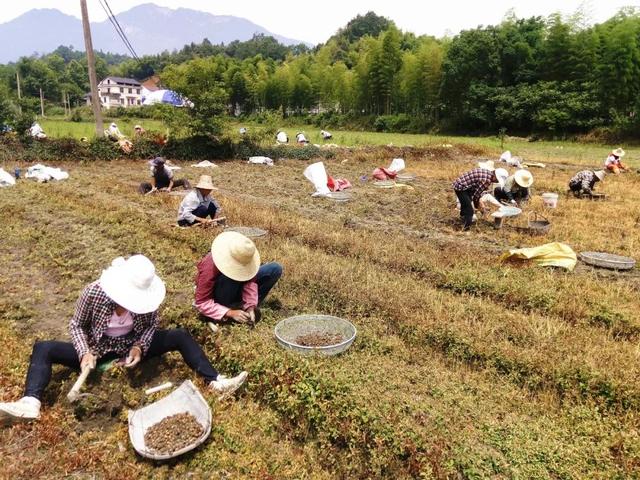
pixel 151 29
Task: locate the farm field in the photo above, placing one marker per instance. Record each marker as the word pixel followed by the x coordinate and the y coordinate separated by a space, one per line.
pixel 463 367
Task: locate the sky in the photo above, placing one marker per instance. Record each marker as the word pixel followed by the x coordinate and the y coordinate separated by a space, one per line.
pixel 315 22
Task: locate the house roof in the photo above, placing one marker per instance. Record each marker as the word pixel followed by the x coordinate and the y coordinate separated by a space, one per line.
pixel 152 83
pixel 122 81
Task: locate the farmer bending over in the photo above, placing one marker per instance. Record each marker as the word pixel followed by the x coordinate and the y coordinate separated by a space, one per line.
pixel 198 204
pixel 470 186
pixel 162 177
pixel 515 189
pixel 231 283
pixel 584 182
pixel 613 163
pixel 116 317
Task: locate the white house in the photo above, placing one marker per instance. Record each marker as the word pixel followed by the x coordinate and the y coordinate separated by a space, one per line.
pixel 120 92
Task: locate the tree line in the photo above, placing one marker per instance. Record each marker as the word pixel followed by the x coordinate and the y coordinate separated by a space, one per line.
pixel 553 75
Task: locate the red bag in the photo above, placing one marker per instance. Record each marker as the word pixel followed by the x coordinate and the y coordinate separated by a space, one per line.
pixel 381 173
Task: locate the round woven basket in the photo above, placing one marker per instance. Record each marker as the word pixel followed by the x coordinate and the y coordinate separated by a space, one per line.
pixel 290 329
pixel 250 232
pixel 405 177
pixel 384 184
pixel 339 196
pixel 607 260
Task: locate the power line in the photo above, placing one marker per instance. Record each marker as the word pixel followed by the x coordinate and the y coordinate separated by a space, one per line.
pixel 112 18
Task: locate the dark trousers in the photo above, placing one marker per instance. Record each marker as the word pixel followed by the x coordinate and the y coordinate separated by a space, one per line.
pixel 519 195
pixel 229 292
pixel 49 353
pixel 202 212
pixel 466 208
pixel 145 187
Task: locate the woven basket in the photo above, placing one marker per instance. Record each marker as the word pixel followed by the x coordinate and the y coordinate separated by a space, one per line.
pixel 607 260
pixel 384 184
pixel 539 225
pixel 289 329
pixel 341 196
pixel 405 177
pixel 250 232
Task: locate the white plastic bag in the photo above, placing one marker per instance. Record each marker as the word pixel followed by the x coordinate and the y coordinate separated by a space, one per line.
pixel 6 179
pixel 317 175
pixel 261 160
pixel 397 165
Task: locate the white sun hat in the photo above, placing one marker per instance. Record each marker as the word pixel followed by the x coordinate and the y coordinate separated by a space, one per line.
pixel 523 178
pixel 133 284
pixel 502 175
pixel 600 174
pixel 236 256
pixel 488 165
pixel 618 152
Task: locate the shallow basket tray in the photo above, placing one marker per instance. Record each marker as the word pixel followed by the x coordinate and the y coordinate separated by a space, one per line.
pixel 339 196
pixel 384 184
pixel 405 177
pixel 287 330
pixel 251 232
pixel 184 399
pixel 607 260
pixel 538 224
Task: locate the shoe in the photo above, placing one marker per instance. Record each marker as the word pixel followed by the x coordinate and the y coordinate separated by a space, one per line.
pixel 227 386
pixel 27 408
pixel 214 328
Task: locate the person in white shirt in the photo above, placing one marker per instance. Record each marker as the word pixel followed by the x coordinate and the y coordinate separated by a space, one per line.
pixel 301 139
pixel 325 135
pixel 198 204
pixel 162 178
pixel 113 132
pixel 613 163
pixel 36 131
pixel 282 137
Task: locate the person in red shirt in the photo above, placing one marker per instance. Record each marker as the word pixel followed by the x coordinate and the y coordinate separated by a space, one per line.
pixel 231 283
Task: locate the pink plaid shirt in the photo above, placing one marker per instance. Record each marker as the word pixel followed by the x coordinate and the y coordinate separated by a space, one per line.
pixel 91 319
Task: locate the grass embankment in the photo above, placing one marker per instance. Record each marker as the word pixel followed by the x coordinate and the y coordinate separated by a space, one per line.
pixel 462 368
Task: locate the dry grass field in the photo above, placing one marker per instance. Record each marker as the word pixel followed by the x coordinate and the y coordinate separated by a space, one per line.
pixel 463 367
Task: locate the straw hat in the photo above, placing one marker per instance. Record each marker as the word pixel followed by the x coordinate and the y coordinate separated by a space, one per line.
pixel 137 127
pixel 235 256
pixel 523 178
pixel 618 152
pixel 488 165
pixel 205 183
pixel 600 174
pixel 133 284
pixel 502 175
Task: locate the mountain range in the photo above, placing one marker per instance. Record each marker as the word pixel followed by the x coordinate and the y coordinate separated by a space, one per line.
pixel 150 29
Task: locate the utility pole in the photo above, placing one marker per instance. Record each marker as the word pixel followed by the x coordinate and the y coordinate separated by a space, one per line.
pixel 91 62
pixel 41 103
pixel 19 92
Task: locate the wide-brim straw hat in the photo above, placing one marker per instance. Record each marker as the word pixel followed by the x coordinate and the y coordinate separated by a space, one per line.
pixel 600 174
pixel 523 178
pixel 205 183
pixel 236 256
pixel 488 165
pixel 618 152
pixel 133 284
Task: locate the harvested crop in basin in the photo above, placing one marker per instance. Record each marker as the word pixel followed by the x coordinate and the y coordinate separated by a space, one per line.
pixel 319 339
pixel 173 433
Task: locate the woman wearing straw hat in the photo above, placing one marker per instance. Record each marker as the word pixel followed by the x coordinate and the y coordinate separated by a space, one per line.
pixel 198 204
pixel 516 188
pixel 613 163
pixel 231 283
pixel 115 317
pixel 584 182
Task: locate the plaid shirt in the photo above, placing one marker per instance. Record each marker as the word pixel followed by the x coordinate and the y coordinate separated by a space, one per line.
pixel 586 179
pixel 478 180
pixel 90 321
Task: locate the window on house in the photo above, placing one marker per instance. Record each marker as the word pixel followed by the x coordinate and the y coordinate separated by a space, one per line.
pixel 138 91
pixel 131 90
pixel 122 101
pixel 121 90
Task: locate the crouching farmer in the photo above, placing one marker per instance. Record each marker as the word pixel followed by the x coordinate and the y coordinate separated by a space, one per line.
pixel 162 177
pixel 198 206
pixel 470 186
pixel 116 317
pixel 584 182
pixel 231 283
pixel 516 188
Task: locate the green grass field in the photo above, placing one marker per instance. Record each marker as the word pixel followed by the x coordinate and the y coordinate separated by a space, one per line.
pixel 542 151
